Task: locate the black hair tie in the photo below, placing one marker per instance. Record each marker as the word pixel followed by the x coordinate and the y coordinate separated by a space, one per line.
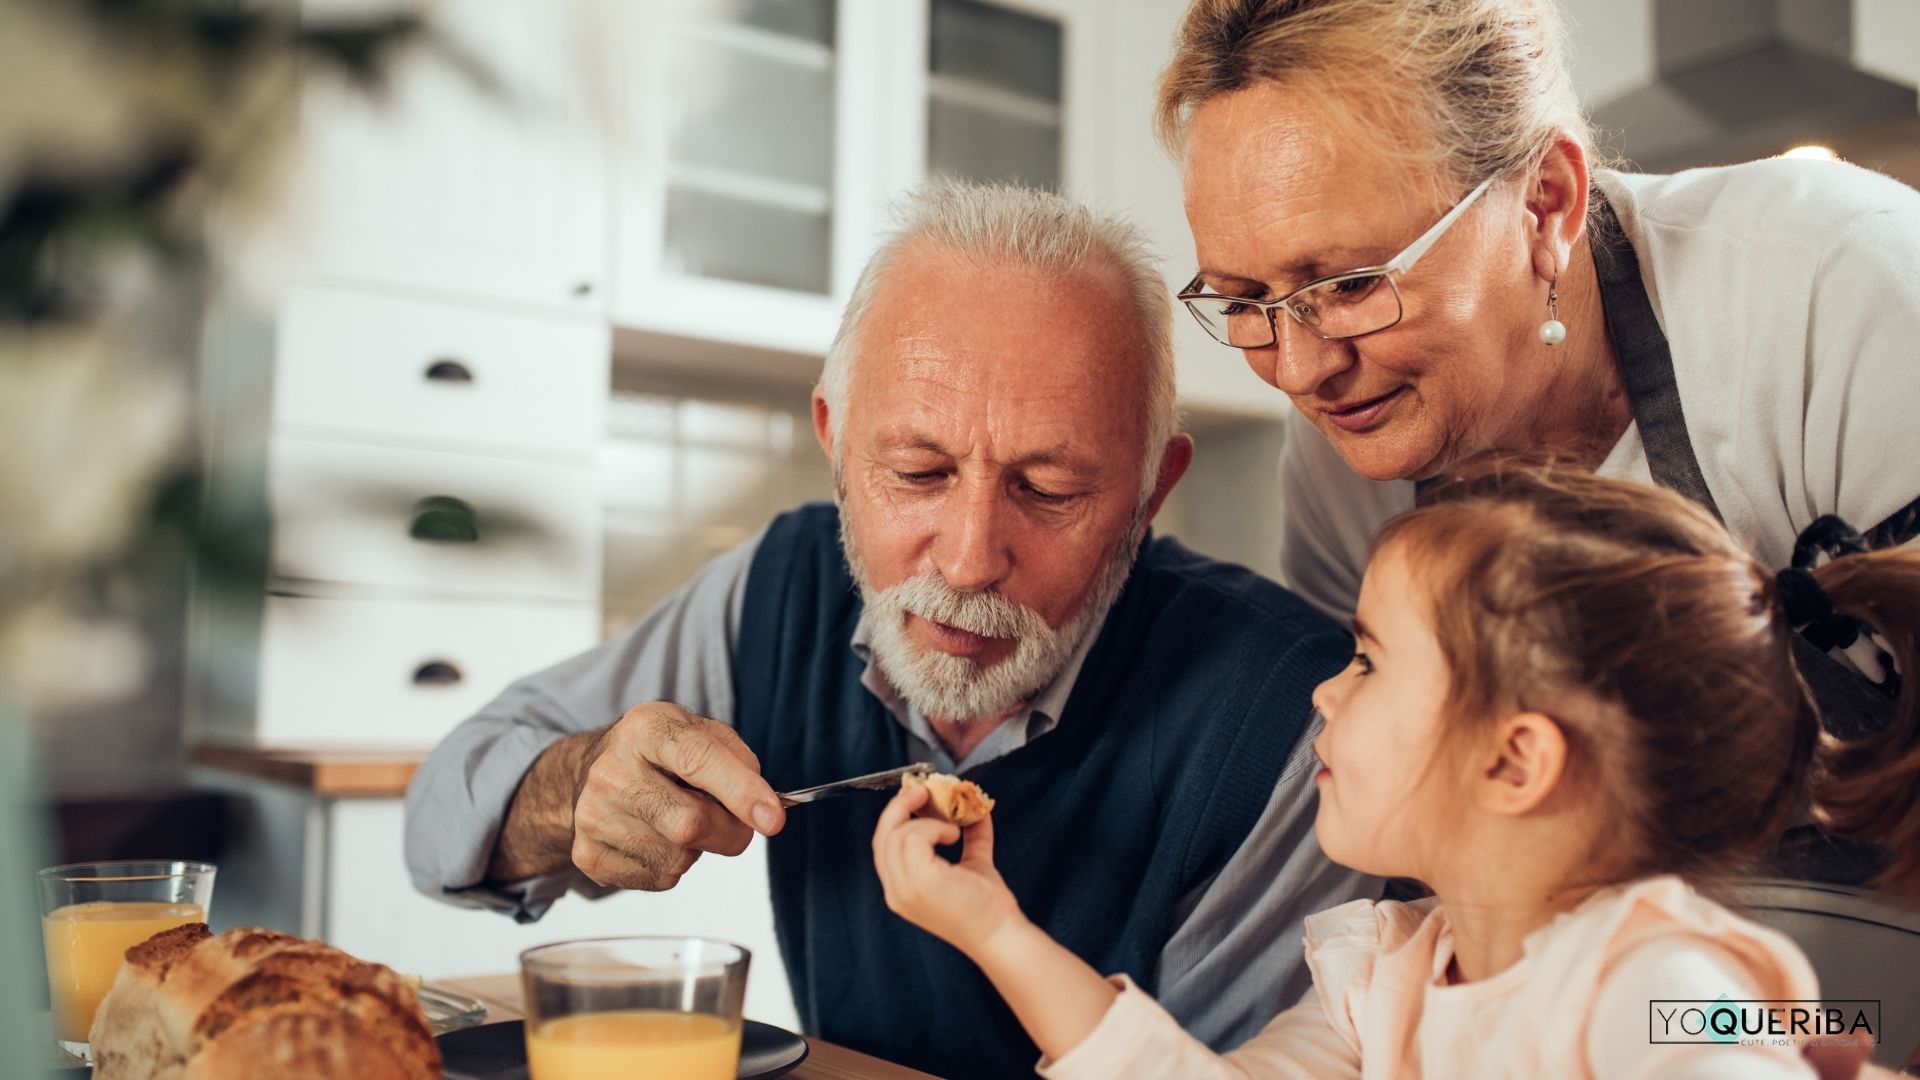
pixel 1828 535
pixel 1807 607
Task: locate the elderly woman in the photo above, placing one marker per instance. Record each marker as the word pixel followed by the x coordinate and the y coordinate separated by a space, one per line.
pixel 1401 224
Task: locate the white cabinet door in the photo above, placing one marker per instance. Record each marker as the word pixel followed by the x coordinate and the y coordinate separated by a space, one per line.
pixel 449 186
pixel 373 911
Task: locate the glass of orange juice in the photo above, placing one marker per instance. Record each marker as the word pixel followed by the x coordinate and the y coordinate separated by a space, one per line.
pixel 634 1007
pixel 92 913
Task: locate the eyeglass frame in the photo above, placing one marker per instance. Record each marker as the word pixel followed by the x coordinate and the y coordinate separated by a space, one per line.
pixel 1399 264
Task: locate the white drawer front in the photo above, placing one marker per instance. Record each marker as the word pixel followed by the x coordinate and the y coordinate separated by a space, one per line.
pixel 417 370
pixel 349 514
pixel 399 673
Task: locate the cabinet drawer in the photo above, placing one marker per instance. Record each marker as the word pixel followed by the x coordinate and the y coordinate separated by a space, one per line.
pixel 397 672
pixel 432 522
pixel 418 371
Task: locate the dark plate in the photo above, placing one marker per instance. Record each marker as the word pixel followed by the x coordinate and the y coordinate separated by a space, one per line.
pixel 499 1052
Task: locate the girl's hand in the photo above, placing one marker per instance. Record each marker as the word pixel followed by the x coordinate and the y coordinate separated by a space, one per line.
pixel 963 903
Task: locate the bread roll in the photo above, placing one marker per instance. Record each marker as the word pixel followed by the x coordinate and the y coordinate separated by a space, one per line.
pixel 950 798
pixel 188 1005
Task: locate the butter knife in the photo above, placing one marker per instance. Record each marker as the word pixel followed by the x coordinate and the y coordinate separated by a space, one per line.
pixel 879 781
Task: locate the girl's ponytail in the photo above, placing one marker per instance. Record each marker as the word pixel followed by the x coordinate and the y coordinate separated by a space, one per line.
pixel 1867 787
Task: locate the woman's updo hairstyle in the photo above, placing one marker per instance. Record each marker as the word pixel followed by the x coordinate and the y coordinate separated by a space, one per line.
pixel 1487 79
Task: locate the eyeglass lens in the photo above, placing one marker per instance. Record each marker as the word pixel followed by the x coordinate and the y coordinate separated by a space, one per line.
pixel 1341 308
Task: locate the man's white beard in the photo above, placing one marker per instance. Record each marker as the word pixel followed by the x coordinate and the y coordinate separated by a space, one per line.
pixel 959 688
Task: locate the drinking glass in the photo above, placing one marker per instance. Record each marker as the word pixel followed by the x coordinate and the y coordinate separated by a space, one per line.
pixel 634 1007
pixel 92 913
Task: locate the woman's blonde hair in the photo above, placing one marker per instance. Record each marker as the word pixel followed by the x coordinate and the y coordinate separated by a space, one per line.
pixel 1487 79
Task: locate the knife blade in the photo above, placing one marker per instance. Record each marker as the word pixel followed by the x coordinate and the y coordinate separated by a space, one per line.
pixel 879 781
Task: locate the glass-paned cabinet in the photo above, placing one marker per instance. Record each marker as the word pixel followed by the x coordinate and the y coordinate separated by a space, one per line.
pixel 750 139
pixel 757 145
pixel 742 181
pixel 994 107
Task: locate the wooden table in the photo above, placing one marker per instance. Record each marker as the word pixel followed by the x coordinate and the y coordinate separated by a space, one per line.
pixel 333 773
pixel 825 1061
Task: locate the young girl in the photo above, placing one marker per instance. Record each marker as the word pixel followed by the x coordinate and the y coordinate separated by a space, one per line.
pixel 1570 698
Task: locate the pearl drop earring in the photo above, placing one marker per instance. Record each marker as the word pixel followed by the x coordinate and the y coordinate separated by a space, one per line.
pixel 1553 331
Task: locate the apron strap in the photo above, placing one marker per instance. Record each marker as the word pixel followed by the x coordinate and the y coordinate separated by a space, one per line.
pixel 1646 363
pixel 1901 526
pixel 1646 370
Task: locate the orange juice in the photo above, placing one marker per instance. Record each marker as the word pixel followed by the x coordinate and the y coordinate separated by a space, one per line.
pixel 85 944
pixel 634 1044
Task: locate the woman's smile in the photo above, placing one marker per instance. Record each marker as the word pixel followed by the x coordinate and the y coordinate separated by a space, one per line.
pixel 1364 415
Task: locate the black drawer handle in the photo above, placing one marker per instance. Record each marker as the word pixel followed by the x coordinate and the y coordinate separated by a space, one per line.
pixel 443 519
pixel 436 673
pixel 447 370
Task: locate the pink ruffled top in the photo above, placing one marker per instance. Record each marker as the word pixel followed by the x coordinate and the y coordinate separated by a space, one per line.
pixel 1577 1004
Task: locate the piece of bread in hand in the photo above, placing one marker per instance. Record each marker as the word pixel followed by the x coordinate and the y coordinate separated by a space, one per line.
pixel 950 798
pixel 189 1005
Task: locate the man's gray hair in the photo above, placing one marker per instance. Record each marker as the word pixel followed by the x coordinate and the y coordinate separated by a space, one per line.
pixel 1021 228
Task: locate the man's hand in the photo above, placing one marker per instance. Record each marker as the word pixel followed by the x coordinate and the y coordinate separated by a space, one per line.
pixel 633 805
pixel 658 788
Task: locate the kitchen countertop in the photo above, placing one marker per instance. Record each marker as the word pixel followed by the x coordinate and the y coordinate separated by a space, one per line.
pixel 332 773
pixel 825 1061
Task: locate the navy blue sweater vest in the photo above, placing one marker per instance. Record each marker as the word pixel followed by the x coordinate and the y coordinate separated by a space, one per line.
pixel 1167 753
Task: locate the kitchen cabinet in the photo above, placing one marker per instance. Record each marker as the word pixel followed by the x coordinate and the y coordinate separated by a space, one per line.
pixel 423 480
pixel 758 144
pixel 710 175
pixel 485 184
pixel 753 150
pixel 995 93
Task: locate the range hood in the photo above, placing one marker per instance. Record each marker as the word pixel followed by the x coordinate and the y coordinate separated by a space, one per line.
pixel 1741 79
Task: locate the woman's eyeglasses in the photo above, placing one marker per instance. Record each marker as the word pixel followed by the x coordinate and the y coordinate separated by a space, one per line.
pixel 1347 305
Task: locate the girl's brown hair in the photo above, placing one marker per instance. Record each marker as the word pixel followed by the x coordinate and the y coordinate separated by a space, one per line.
pixel 1664 650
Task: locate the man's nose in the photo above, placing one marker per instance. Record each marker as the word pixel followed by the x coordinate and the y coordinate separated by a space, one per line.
pixel 971 552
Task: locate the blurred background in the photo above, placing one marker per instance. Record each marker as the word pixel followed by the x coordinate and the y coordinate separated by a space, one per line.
pixel 458 338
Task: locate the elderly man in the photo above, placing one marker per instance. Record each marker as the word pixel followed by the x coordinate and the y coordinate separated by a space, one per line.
pixel 999 410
